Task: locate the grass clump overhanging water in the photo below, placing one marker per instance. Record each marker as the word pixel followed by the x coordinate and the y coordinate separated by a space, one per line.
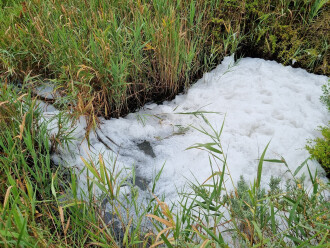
pixel 41 204
pixel 110 57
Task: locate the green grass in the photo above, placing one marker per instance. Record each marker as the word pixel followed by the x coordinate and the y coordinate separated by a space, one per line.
pixel 284 31
pixel 42 205
pixel 109 57
pixel 209 215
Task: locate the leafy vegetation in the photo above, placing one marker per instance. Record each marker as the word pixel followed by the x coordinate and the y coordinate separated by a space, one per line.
pixel 291 32
pixel 319 148
pixel 326 94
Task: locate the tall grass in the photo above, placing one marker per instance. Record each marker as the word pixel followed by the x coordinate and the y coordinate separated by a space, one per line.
pixel 291 32
pixel 43 204
pixel 109 57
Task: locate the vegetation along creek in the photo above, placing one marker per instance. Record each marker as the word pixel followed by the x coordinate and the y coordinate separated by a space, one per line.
pixel 164 123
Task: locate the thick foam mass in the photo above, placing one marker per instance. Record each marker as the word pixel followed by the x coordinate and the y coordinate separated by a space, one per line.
pixel 260 101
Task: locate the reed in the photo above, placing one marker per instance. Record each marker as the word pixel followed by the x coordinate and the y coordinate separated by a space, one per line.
pixel 108 58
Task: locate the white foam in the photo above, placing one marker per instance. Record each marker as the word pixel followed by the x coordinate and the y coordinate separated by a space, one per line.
pixel 262 100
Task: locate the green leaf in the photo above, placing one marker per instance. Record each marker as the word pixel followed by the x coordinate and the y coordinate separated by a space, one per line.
pixel 256 227
pixel 261 160
pixel 166 241
pixel 300 167
pixel 23 230
pixel 272 217
pixel 208 146
pixel 293 210
pixel 274 161
pixel 294 239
